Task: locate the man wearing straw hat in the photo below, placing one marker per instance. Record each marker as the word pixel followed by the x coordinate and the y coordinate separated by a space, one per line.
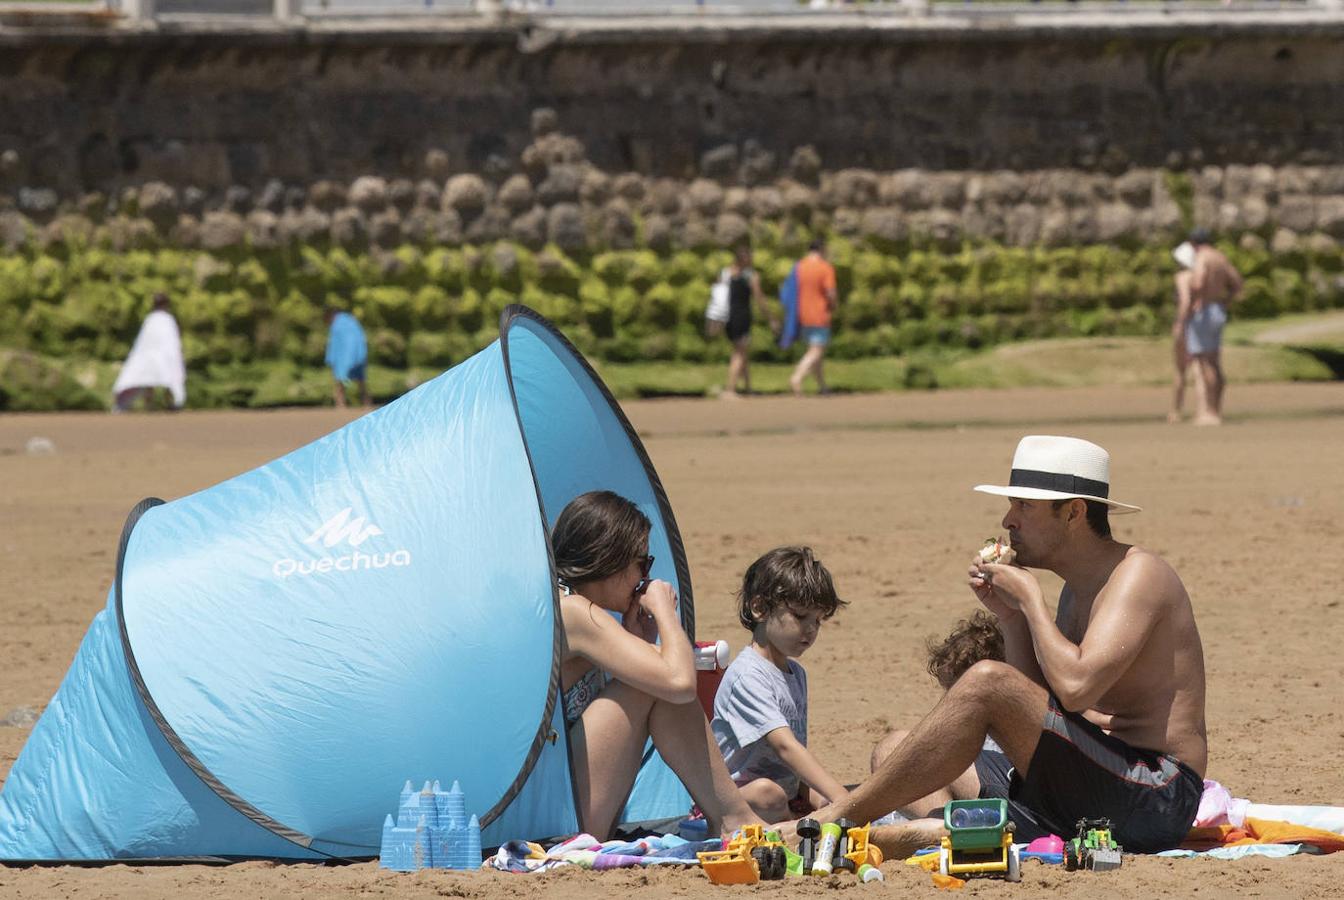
pixel 1099 709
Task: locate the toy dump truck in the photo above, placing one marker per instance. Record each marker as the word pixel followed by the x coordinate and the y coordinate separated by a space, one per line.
pixel 1093 848
pixel 753 855
pixel 979 840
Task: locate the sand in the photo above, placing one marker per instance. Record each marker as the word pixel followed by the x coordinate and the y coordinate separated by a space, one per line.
pixel 1250 514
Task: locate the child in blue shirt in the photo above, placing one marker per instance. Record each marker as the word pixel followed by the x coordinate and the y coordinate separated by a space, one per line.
pixel 760 710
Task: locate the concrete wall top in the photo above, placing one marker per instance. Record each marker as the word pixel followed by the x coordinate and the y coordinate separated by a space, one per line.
pixel 34 25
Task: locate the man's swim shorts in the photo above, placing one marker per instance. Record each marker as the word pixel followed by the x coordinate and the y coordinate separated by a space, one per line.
pixel 1204 331
pixel 1080 772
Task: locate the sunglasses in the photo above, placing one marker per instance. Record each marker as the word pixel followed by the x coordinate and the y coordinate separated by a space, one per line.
pixel 645 567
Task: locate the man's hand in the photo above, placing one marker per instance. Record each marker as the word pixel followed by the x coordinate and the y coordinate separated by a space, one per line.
pixel 789 830
pixel 980 578
pixel 1007 587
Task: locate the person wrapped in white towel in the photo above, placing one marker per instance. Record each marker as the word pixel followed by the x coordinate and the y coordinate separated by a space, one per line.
pixel 155 361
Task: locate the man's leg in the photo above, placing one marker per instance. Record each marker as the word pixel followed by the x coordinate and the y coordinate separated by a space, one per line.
pixel 1211 397
pixel 991 698
pixel 805 367
pixel 363 392
pixel 965 786
pixel 1220 382
pixel 338 393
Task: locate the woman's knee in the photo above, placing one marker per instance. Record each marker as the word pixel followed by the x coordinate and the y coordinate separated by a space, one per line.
pixel 634 705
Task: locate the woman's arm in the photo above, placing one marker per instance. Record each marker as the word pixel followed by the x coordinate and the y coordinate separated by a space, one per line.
pixel 1184 298
pixel 665 671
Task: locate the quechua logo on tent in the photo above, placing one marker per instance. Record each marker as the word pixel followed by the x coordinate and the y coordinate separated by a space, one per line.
pixel 354 531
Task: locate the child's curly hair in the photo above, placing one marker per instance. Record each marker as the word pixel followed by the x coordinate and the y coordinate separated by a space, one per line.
pixel 971 640
pixel 786 576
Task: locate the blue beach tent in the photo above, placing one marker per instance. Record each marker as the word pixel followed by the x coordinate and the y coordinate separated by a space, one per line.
pixel 281 652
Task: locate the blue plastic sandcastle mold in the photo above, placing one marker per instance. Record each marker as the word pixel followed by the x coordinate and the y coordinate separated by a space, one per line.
pixel 431 830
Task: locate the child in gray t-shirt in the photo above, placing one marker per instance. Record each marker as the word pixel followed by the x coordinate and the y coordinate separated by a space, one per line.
pixel 760 710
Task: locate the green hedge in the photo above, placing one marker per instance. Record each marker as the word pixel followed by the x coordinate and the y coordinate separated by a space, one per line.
pixel 429 308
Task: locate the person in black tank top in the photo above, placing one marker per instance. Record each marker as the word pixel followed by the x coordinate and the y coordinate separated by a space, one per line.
pixel 744 290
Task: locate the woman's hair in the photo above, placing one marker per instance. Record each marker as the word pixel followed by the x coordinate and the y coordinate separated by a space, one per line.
pixel 596 536
pixel 971 640
pixel 786 576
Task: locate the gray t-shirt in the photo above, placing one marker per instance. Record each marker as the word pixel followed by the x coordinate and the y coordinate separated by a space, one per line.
pixel 753 700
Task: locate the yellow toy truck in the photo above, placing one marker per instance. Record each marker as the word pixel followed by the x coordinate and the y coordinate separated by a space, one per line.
pixel 979 840
pixel 752 855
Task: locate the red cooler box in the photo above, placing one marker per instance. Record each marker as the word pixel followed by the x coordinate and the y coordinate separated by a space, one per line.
pixel 711 659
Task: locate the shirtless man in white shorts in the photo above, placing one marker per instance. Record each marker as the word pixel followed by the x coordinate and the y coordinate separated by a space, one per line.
pixel 1213 284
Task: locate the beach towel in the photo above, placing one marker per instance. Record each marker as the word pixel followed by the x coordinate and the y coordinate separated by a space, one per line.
pixel 587 852
pixel 155 359
pixel 1262 831
pixel 788 298
pixel 347 351
pixel 1230 828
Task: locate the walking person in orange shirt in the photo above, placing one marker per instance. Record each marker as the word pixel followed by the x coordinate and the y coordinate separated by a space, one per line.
pixel 816 301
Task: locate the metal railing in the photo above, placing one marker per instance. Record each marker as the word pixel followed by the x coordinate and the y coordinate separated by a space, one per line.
pixel 291 10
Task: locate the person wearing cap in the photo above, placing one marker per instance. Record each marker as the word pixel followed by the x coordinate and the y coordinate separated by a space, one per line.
pixel 1214 283
pixel 1098 709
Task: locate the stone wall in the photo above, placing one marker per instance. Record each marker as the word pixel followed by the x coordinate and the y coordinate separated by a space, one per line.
pixel 669 138
pixel 552 194
pixel 95 110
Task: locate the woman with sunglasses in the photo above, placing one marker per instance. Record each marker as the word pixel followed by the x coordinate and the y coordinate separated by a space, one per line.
pixel 620 687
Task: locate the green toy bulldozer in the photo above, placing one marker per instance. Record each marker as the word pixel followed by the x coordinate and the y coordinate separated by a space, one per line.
pixel 1093 848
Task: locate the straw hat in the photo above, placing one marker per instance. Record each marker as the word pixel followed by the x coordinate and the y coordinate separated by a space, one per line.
pixel 1185 254
pixel 1046 467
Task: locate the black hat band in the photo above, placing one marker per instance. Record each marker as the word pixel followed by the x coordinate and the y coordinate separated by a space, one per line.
pixel 1055 481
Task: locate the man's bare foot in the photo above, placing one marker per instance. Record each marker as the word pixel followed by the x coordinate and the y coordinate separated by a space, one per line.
pixel 1173 418
pixel 1207 419
pixel 729 395
pixel 796 386
pixel 901 841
